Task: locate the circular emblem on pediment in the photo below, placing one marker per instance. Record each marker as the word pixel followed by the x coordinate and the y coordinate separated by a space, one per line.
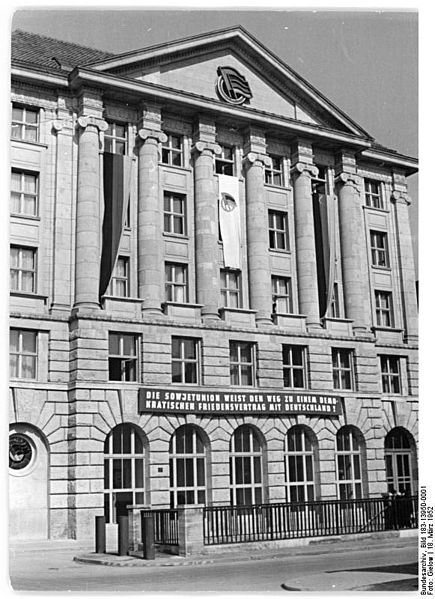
pixel 20 452
pixel 232 87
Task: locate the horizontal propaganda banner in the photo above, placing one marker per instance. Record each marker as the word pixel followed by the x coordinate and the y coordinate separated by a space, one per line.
pixel 178 401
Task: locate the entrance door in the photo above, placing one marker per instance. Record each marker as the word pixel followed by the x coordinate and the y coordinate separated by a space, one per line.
pixel 28 484
pixel 398 456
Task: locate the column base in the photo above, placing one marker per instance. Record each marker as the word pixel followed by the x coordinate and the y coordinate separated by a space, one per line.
pixel 152 312
pixel 411 339
pixel 85 307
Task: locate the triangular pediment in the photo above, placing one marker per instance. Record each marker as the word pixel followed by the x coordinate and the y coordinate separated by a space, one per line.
pixel 191 66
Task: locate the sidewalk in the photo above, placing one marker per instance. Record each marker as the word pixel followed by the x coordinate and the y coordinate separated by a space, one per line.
pixel 254 551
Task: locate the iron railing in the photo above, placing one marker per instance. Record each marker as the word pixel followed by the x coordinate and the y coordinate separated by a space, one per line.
pixel 266 522
pixel 165 527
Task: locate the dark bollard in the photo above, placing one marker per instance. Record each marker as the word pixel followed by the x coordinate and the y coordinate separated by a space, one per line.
pixel 123 535
pixel 147 526
pixel 100 534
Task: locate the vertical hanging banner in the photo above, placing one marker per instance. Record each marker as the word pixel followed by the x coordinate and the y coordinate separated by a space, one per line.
pixel 324 227
pixel 229 220
pixel 116 191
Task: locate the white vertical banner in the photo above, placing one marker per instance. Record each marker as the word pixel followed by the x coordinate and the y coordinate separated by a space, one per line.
pixel 229 219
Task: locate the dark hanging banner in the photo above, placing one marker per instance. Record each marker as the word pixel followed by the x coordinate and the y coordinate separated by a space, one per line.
pixel 324 231
pixel 182 401
pixel 116 184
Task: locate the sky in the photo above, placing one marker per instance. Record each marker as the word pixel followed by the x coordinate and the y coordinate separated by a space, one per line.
pixel 365 62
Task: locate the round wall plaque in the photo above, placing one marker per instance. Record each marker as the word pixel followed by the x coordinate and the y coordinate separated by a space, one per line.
pixel 20 452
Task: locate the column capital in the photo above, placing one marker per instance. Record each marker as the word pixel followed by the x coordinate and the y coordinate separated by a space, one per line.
pixel 350 179
pixel 203 146
pixel 304 168
pixel 144 134
pixel 252 157
pixel 58 125
pixel 87 120
pixel 400 197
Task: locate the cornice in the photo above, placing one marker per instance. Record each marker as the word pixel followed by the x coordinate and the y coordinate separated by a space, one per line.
pixel 161 93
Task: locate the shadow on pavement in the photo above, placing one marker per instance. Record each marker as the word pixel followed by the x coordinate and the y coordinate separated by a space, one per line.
pixel 411 568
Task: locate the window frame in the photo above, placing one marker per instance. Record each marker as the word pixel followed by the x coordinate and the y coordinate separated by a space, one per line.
pixel 238 366
pixel 172 285
pixel 276 233
pixel 20 270
pixel 194 457
pixel 123 279
pixel 389 376
pixel 226 291
pixel 23 193
pixel 20 354
pixel 169 152
pixel 250 458
pixel 123 359
pixel 352 484
pixel 184 362
pixel 23 124
pixel 286 298
pixel 307 485
pixel 171 215
pixel 111 138
pixel 384 313
pixel 373 197
pixel 132 457
pixel 289 366
pixel 343 376
pixel 274 171
pixel 380 254
pixel 222 164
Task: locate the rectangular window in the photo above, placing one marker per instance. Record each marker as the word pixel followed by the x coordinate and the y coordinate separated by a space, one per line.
pixel 342 371
pixel 120 279
pixel 242 363
pixel 379 249
pixel 22 354
pixel 224 162
pixel 230 288
pixel 176 283
pixel 185 360
pixel 24 193
pixel 373 193
pixel 174 213
pixel 23 269
pixel 25 123
pixel 278 230
pixel 273 175
pixel 172 150
pixel 293 359
pixel 334 309
pixel 384 308
pixel 390 374
pixel 281 295
pixel 123 359
pixel 115 138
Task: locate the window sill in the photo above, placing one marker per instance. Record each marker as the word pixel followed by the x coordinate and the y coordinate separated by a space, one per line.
pixel 381 268
pixel 38 144
pixel 278 251
pixel 383 210
pixel 175 236
pixel 176 167
pixel 274 186
pixel 28 294
pixel 25 216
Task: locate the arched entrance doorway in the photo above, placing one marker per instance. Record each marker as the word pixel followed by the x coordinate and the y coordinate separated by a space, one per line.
pixel 400 461
pixel 28 484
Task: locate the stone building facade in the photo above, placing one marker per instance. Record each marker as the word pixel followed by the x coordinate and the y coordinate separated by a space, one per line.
pixel 252 346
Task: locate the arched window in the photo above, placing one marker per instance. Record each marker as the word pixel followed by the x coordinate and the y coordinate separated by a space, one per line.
pixel 300 449
pixel 187 466
pixel 246 467
pixel 350 458
pixel 399 453
pixel 124 471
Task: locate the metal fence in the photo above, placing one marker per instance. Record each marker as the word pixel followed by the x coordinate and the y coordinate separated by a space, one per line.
pixel 165 527
pixel 266 522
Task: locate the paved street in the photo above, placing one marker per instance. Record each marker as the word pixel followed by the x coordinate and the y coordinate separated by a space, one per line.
pixel 325 568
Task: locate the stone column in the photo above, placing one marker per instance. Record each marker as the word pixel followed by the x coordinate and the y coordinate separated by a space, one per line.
pixel 257 226
pixel 150 222
pixel 206 229
pixel 88 217
pixel 401 203
pixel 308 292
pixel 63 232
pixel 353 242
